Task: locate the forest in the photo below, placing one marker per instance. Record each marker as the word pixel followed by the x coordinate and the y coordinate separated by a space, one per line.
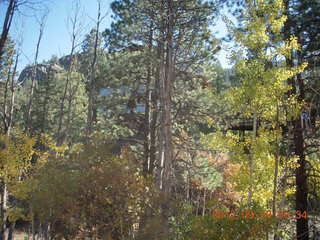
pixel 138 132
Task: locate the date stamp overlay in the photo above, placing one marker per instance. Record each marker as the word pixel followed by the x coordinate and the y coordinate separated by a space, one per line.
pixel 250 214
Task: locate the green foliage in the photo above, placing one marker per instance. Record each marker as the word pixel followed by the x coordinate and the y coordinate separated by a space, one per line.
pixel 207 174
pixel 181 224
pixel 48 95
pixel 7 59
pixel 16 156
pixel 207 228
pixel 83 191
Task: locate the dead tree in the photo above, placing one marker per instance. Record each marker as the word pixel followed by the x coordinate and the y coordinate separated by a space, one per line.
pixel 75 34
pixel 92 111
pixel 41 22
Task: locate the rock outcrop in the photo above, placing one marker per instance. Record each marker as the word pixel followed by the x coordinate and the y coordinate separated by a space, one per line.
pixel 41 71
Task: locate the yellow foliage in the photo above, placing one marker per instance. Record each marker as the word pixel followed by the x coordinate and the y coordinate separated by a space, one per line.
pixel 263 93
pixel 15 213
pixel 16 156
pixel 22 157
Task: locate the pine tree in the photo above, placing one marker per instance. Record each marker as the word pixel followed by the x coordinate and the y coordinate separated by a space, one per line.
pixel 303 22
pixel 173 39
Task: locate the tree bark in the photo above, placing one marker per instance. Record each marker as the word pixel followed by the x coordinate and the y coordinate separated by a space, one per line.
pixel 148 111
pixel 168 99
pixel 11 230
pixel 2 227
pixel 204 202
pixel 7 24
pixel 276 172
pixel 8 104
pixel 301 172
pixel 92 111
pixel 12 99
pixel 297 88
pixel 34 75
pixel 166 81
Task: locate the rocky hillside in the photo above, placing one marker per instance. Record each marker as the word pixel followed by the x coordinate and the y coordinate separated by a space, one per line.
pixel 41 71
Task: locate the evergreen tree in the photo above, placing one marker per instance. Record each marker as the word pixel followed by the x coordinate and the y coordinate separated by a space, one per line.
pixel 174 42
pixel 303 22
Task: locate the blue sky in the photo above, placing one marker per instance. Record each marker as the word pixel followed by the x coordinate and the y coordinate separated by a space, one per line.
pixel 56 39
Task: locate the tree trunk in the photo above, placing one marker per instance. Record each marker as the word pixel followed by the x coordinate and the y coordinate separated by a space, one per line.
pixel 7 24
pixel 33 227
pixel 12 99
pixel 165 89
pixel 204 202
pixel 301 172
pixel 11 230
pixel 166 79
pixel 301 194
pixel 2 227
pixel 34 75
pixel 5 102
pixel 4 206
pixel 60 136
pixel 92 111
pixel 148 111
pixel 276 173
pixel 251 163
pixel 7 110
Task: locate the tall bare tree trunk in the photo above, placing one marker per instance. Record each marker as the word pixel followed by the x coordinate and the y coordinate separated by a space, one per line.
pixel 301 172
pixel 34 74
pixel 5 101
pixel 166 79
pixel 204 202
pixel 8 105
pixel 71 110
pixel 148 111
pixel 12 99
pixel 75 31
pixel 166 83
pixel 276 173
pixel 92 111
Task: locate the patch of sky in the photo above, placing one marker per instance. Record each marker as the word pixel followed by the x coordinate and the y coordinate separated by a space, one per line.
pixel 106 91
